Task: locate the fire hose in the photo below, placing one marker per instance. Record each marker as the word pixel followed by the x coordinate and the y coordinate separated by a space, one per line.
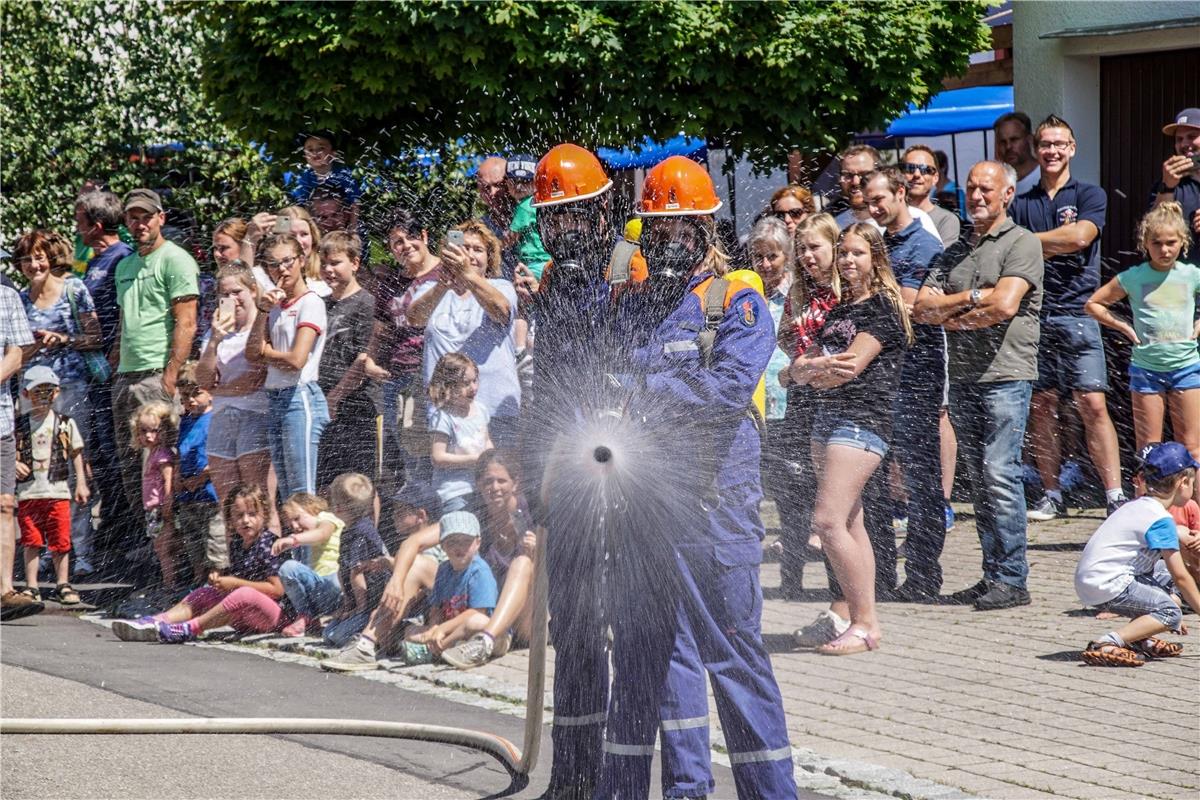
pixel 518 762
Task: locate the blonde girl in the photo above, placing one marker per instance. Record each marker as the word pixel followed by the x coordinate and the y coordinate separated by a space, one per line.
pixel 239 453
pixel 458 429
pixel 288 336
pixel 311 579
pixel 854 365
pixel 155 430
pixel 1164 367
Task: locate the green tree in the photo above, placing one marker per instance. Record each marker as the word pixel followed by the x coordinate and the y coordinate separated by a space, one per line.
pixel 759 78
pixel 95 89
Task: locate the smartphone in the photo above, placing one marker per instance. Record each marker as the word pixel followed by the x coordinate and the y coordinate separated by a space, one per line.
pixel 455 238
pixel 226 307
pixel 1196 160
pixel 283 224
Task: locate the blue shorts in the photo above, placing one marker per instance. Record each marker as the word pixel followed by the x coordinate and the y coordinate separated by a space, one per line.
pixel 1071 356
pixel 830 430
pixel 1149 381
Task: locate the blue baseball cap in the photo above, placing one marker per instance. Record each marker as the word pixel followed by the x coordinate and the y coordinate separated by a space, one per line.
pixel 418 495
pixel 1187 118
pixel 520 167
pixel 1160 460
pixel 462 523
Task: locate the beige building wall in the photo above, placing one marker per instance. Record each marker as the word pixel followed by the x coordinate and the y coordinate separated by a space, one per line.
pixel 1062 75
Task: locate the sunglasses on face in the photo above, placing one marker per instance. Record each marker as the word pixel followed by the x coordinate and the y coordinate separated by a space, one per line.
pixel 918 169
pixel 852 177
pixel 792 213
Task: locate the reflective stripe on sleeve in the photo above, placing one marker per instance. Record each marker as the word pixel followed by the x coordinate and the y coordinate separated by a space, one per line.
pixel 755 756
pixel 680 347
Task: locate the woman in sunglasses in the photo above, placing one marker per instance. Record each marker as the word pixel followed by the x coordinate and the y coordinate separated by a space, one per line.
pixel 791 205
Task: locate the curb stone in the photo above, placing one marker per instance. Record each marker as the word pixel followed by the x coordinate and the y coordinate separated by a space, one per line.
pixel 839 778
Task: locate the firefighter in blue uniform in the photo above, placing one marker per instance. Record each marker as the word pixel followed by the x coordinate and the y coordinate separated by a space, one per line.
pixel 572 309
pixel 699 609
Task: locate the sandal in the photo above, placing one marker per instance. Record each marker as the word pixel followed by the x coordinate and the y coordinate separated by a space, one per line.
pixel 1157 648
pixel 1110 654
pixel 854 640
pixel 32 593
pixel 67 595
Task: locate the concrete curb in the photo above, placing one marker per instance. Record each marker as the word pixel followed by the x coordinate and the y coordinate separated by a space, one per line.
pixel 839 778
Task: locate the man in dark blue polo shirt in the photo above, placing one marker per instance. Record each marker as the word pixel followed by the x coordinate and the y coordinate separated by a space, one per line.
pixel 1181 173
pixel 1067 216
pixel 916 440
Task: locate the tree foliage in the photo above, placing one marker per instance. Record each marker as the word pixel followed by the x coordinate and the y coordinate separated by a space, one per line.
pixel 756 77
pixel 95 89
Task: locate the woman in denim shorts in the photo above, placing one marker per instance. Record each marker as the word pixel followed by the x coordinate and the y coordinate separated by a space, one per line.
pixel 238 452
pixel 854 366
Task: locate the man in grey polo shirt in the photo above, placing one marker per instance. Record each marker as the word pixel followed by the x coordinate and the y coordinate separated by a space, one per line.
pixel 157 291
pixel 986 291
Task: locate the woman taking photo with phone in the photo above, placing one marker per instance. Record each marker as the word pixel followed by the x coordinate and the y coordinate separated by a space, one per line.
pixel 472 310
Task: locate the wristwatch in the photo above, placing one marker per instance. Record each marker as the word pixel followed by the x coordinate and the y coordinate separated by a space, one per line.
pixel 976 296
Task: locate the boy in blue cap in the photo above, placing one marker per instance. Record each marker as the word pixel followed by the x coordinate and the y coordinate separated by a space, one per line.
pixel 1117 569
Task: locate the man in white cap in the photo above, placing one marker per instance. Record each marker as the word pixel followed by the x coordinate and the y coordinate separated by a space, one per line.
pixel 1181 172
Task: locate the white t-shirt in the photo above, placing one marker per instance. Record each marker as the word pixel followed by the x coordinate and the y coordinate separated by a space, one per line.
pixel 232 364
pixel 459 324
pixel 42 440
pixel 306 311
pixel 1126 545
pixel 467 434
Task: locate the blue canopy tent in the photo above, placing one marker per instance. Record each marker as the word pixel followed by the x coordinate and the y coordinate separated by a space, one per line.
pixel 648 152
pixel 955 111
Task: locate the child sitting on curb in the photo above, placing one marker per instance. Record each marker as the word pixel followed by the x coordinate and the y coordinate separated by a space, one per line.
pixel 353 498
pixel 1116 571
pixel 246 597
pixel 464 593
pixel 313 589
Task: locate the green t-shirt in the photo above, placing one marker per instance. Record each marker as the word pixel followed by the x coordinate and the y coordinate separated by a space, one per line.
pixel 1164 308
pixel 146 288
pixel 530 251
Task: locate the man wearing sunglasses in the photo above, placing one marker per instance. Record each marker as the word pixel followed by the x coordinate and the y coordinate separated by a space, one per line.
pixel 920 168
pixel 858 163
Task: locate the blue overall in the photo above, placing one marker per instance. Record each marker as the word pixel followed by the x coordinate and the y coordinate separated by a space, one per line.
pixel 574 351
pixel 692 609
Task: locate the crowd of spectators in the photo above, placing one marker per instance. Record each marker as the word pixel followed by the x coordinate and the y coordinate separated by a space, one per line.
pixel 297 438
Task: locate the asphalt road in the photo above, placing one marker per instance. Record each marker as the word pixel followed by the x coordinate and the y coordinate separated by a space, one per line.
pixel 57 666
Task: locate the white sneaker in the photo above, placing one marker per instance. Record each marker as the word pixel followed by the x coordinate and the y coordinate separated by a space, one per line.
pixel 352 658
pixel 476 651
pixel 822 630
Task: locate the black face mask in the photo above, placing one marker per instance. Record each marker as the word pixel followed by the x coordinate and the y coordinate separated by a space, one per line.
pixel 579 251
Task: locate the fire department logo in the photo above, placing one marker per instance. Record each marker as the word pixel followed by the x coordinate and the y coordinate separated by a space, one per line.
pixel 556 189
pixel 748 315
pixel 1068 215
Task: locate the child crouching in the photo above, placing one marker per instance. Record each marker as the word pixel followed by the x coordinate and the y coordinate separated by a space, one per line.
pixel 1117 569
pixel 247 598
pixel 353 499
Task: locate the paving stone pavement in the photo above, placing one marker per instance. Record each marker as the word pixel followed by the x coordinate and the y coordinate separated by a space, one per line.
pixel 955 702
